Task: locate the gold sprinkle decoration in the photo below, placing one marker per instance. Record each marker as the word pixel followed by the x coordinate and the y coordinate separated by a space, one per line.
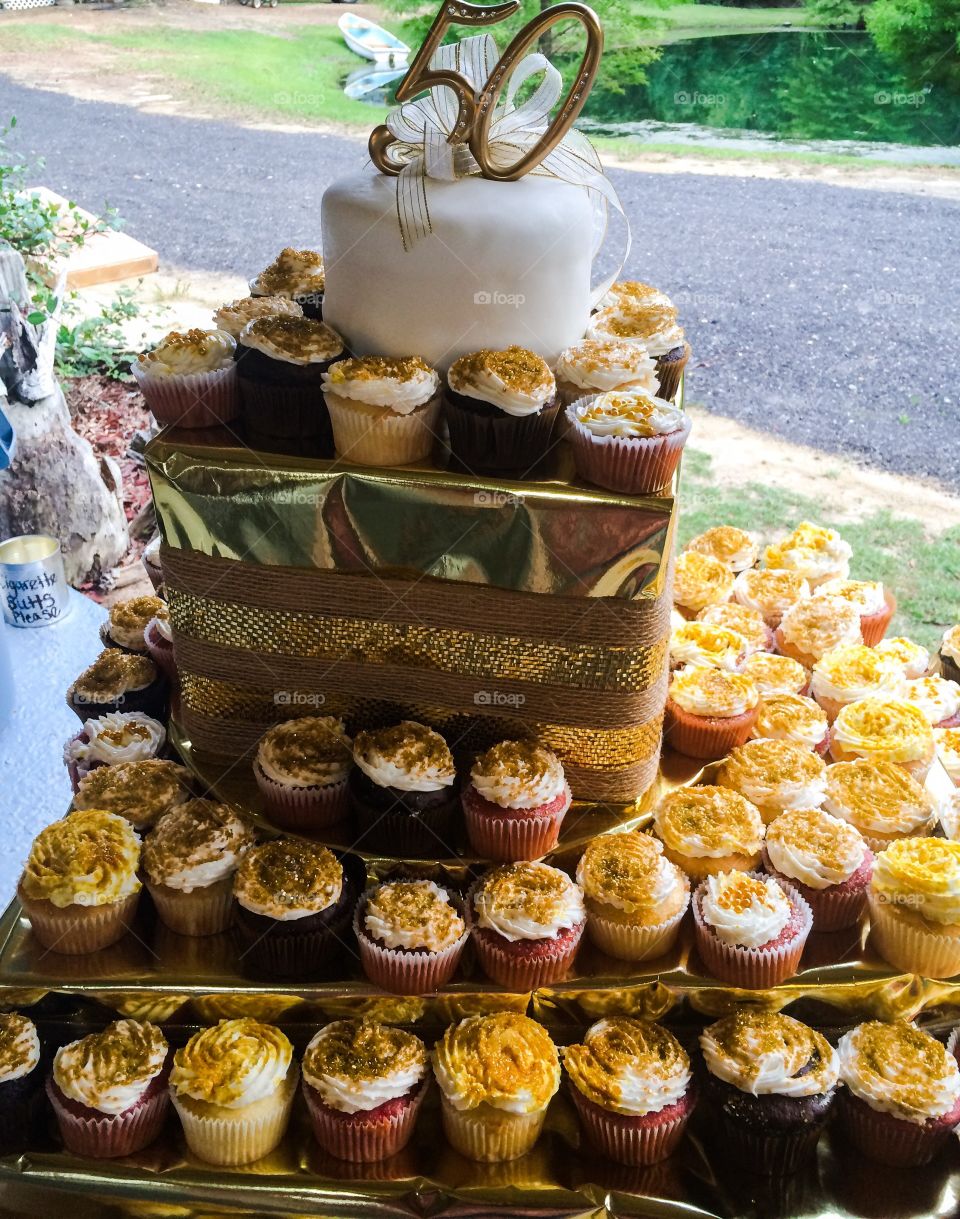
pixel 520 370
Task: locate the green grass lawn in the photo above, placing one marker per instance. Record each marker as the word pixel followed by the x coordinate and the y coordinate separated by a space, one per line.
pixel 922 570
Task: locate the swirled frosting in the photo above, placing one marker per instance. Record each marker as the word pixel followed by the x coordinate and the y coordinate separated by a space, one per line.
pixel 936 697
pixel 631 292
pixel 516 380
pixel 700 690
pixel 518 774
pixel 733 547
pixel 770 591
pixel 629 872
pixel 312 751
pixel 19 1046
pixel 112 676
pixel 89 858
pixel 527 901
pixel 847 673
pixel 878 797
pixel 292 340
pixel 128 620
pixel 709 822
pixel 913 658
pixel 775 774
pixel 699 643
pixel 398 383
pixel 746 622
pixel 139 791
pixel 407 756
pixel 768 1053
pixel 923 876
pixel 814 847
pixel 629 413
pixel 600 365
pixel 183 354
pixel 776 675
pixel 815 552
pixel 898 1069
pixel 866 595
pixel 234 316
pixel 109 1071
pixel 288 879
pixel 357 1065
pixel 504 1060
pixel 292 273
pixel 160 626
pixel 700 580
pixel 791 717
pixel 744 909
pixel 818 624
pixel 947 741
pixel 655 326
pixel 412 914
pixel 118 736
pixel 887 728
pixel 196 845
pixel 232 1064
pixel 629 1066
pixel 950 644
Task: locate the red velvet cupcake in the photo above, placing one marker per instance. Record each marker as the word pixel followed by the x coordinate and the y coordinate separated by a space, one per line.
pixel 120 736
pixel 301 768
pixel 515 802
pixel 826 860
pixel 526 921
pixel 364 1083
pixel 158 636
pixel 411 935
pixel 709 711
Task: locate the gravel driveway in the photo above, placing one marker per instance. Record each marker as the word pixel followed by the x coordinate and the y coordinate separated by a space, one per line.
pixel 825 315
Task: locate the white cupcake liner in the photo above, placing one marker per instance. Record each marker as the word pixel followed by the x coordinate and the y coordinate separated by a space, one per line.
pixel 490 1135
pixel 908 947
pixel 206 911
pixel 303 808
pixel 77 930
pixel 200 399
pixel 239 1136
pixel 633 941
pixel 388 440
pixel 625 464
pixel 406 971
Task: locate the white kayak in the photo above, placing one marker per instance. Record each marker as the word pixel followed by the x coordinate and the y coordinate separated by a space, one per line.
pixel 371 41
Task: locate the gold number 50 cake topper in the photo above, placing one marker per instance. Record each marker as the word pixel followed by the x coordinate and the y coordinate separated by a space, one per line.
pixel 476 108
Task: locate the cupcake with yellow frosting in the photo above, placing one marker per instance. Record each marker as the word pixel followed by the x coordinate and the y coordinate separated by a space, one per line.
pixel 140 791
pixel 715 647
pixel 294 275
pixel 913 658
pixel 709 829
pixel 633 1088
pixel 301 768
pixel 901 1099
pixel 497 1075
pixel 635 897
pixel 655 327
pixel 750 928
pixel 826 860
pixel 699 580
pixel 884 729
pixel 128 620
pixel 189 859
pixel 937 698
pixel 411 935
pixel 770 591
pixel 364 1083
pixel 816 553
pixel 791 717
pixel 293 906
pixel 747 623
pixel 385 410
pixel 875 604
pixel 775 775
pixel 947 742
pixel 233 1087
pixel 79 887
pixel 515 802
pixel 772 1082
pixel 118 681
pixel 189 379
pixel 881 799
pixel 733 547
pixel 709 711
pixel 233 316
pixel 776 675
pixel 915 906
pixel 526 921
pixel 854 671
pixel 627 441
pixel 118 736
pixel 603 366
pixel 21 1080
pixel 949 654
pixel 815 626
pixel 108 1090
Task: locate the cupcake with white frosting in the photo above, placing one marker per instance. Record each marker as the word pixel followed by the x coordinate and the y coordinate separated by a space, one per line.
pixel 750 928
pixel 21 1082
pixel 708 829
pixel 815 626
pixel 885 729
pixel 876 604
pixel 947 742
pixel 109 1090
pixel 699 643
pixel 411 934
pixel 914 902
pixel 301 768
pixel 140 791
pixel 746 622
pixel 189 379
pixel 364 1083
pixel 937 698
pixel 814 552
pixel 233 1087
pixel 770 591
pixel 233 316
pixel 881 799
pixel 627 441
pixel 384 411
pixel 127 622
pixel 118 681
pixel 733 547
pixel 826 860
pixel 119 736
pixel 633 293
pixel 633 1088
pixel 949 654
pixel 189 859
pixel 297 276
pixel 776 675
pixel 501 408
pixel 854 671
pixel 602 366
pixel 515 801
pixel 699 581
pixel 653 325
pixel 791 717
pixel 913 658
pixel 526 921
pixel 709 711
pixel 775 776
pixel 901 1100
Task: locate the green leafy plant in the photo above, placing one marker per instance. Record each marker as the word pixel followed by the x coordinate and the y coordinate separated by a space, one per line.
pixel 924 35
pixel 97 345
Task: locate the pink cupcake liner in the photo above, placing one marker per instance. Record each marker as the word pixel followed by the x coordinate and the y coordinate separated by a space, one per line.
pixel 303 808
pixel 106 1136
pixel 160 651
pixel 410 971
pixel 631 1141
pixel 202 399
pixel 837 906
pixel 890 1139
pixel 359 1136
pixel 508 963
pixel 626 464
pixel 753 968
pixel 516 834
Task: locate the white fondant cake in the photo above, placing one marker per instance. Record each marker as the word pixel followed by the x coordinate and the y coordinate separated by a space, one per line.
pixel 505 262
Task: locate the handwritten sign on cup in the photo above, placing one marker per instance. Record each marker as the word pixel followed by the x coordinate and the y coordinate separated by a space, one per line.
pixel 33 588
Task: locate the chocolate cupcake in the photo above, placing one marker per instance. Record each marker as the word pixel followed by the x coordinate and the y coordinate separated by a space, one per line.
pixel 128 621
pixel 140 791
pixel 950 654
pixel 293 901
pixel 21 1082
pixel 404 790
pixel 298 276
pixel 118 736
pixel 501 408
pixel 653 325
pixel 771 1081
pixel 118 681
pixel 158 636
pixel 599 366
pixel 280 366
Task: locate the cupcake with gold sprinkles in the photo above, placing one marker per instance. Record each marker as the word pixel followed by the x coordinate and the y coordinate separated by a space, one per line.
pixel 233 316
pixel 915 906
pixel 385 410
pixel 128 620
pixel 884 729
pixel 826 860
pixel 189 379
pixel 655 326
pixel 118 681
pixel 776 675
pixel 364 1084
pixel 901 1099
pixel 875 603
pixel 118 736
pixel 699 643
pixel 854 671
pixel 814 552
pixel 770 591
pixel 633 1088
pixel 497 1075
pixel 746 622
pixel 947 742
pixel 294 275
pixel 937 698
pixel 791 717
pixel 949 654
pixel 775 776
pixel 708 829
pixel 411 935
pixel 140 791
pixel 602 366
pixel 515 802
pixel 301 768
pixel 635 897
pixel 733 547
pixel 881 799
pixel 699 581
pixel 709 711
pixel 913 658
pixel 109 1091
pixel 21 1080
pixel 627 441
pixel 815 626
pixel 233 1087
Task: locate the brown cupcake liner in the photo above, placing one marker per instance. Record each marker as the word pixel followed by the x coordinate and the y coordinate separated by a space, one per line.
pixel 76 930
pixel 625 464
pixel 700 736
pixel 406 971
pixel 151 700
pixel 291 419
pixel 300 955
pixel 503 443
pixel 106 1136
pixel 303 808
pixel 206 911
pixel 890 1139
pixel 203 399
pixel 752 968
pixel 670 372
pixel 423 834
pixel 771 1154
pixel 361 1138
pixel 509 839
pixel 625 1142
pixel 490 1135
